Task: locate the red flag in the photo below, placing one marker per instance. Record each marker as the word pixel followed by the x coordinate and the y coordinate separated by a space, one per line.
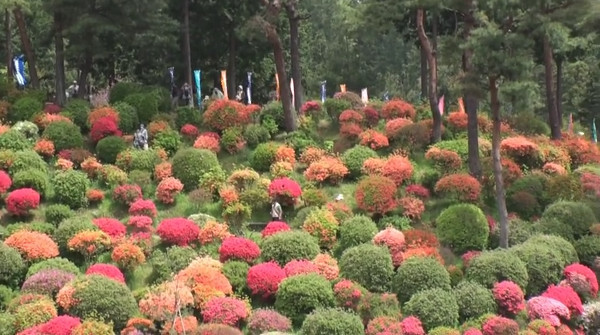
pixel 441 105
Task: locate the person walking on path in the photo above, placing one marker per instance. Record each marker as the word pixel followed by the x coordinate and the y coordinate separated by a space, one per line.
pixel 276 210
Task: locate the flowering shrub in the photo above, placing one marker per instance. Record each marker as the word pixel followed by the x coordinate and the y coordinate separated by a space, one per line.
pixel 43 120
pixel 398 168
pixel 140 222
pixel 181 325
pixel 91 166
pixel 348 294
pixel 371 115
pixel 321 224
pixel 590 183
pixel 394 126
pixel 106 270
pixel 311 107
pixel 223 114
pixel 422 252
pixel 266 320
pixel 582 151
pixel 541 327
pixel 162 170
pixel 285 154
pixel 350 130
pixel 373 166
pixel 339 209
pixel 498 325
pixel 33 314
pixel 274 227
pixel 418 191
pixel 167 189
pixel 350 116
pixel 63 164
pixel 207 142
pixel 521 149
pixel 412 326
pixel 32 245
pixel 311 155
pixel 189 130
pixel 286 189
pixel 468 256
pixel 213 231
pixel 509 297
pixel 373 139
pixel 94 196
pixel 393 239
pixel 330 169
pixel 225 310
pixel 554 169
pixel 397 108
pixel 327 265
pixel 19 202
pixel 587 273
pixel 47 282
pixel 567 296
pixel 281 169
pixel 228 195
pixel 458 120
pixel 127 194
pixel 128 255
pixel 547 309
pixel 375 194
pixel 112 227
pixel 143 207
pixel 89 243
pixel 105 112
pixel 5 182
pixel 417 238
pixel 44 147
pixel 263 279
pixel 412 208
pixel 160 304
pixel 238 248
pixel 445 160
pixel 299 267
pixel 104 127
pixel 178 231
pixel 461 186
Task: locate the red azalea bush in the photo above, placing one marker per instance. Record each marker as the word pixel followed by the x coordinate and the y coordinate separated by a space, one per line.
pixel 522 150
pixel 127 194
pixel 274 227
pixel 394 126
pixel 60 325
pixel 375 194
pixel 554 169
pixel 143 207
pixel 225 310
pixel 461 186
pixel 458 120
pixel 373 139
pixel 412 207
pixel 239 249
pixel 286 189
pixel 104 127
pixel 189 130
pixel 207 142
pixel 398 168
pixel 587 273
pixel 140 222
pixel 582 151
pixel 51 108
pixel 311 155
pixel 178 231
pixel 418 191
pixel 348 294
pixel 222 114
pixel 468 256
pixel 5 182
pixel 300 267
pixel 396 108
pixel 445 160
pixel 103 112
pixel 266 320
pixel 371 115
pixel 509 297
pixel 350 130
pixel 412 326
pixel 263 279
pixel 106 270
pixel 94 196
pixel 112 227
pixel 20 202
pixel 417 238
pixel 498 325
pixel 330 169
pixel 548 309
pixel 167 189
pixel 384 325
pixel 311 107
pixel 350 116
pixel 590 183
pixel 32 245
pixel 373 166
pixel 567 296
pixel 44 147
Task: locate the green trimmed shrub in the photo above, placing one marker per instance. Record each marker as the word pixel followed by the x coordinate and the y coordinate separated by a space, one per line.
pixel 299 295
pixel 534 184
pixel 286 246
pixel 333 321
pixel 473 300
pixel 564 247
pixel 368 265
pixel 57 263
pixel 418 274
pixel 576 214
pixel 255 134
pixel 187 115
pixel 128 118
pixel 41 227
pixel 554 227
pixel 263 156
pixel 300 140
pixel 163 96
pixel 274 111
pixel 373 305
pixel 77 110
pixel 444 331
pixel 544 265
pixel 70 188
pixel 27 160
pixel 173 260
pixel 15 141
pixel 564 187
pixel 64 135
pixel 524 204
pixel 32 178
pixel 6 295
pixel 355 157
pixel 7 324
pixel 56 213
pixel 190 164
pixel 463 227
pixel 529 124
pixel 121 90
pixel 236 272
pixel 354 231
pixel 24 109
pixel 399 222
pixel 144 160
pixel 12 266
pixel 145 104
pixel 169 140
pixel 99 297
pixel 588 248
pixel 335 107
pixel 434 307
pixel 109 147
pixel 495 266
pixel 69 228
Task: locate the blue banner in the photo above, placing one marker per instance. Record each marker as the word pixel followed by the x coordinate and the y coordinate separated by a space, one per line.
pixel 323 91
pixel 249 89
pixel 197 74
pixel 19 70
pixel 594 134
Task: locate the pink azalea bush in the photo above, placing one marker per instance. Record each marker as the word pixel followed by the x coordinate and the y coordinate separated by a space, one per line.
pixel 548 309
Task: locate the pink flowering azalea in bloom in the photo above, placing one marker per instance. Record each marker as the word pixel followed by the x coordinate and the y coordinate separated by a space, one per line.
pixel 547 309
pixel 412 326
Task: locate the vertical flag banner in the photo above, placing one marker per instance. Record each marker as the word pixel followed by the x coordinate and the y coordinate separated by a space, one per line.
pixel 461 105
pixel 277 86
pixel 172 75
pixel 19 70
pixel 571 123
pixel 364 95
pixel 197 75
pixel 323 91
pixel 594 135
pixel 249 89
pixel 441 105
pixel 343 88
pixel 224 84
pixel 292 89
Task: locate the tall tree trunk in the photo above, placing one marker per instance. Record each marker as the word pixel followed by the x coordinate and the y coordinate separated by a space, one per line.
pixel 231 63
pixel 555 129
pixel 8 44
pixel 59 67
pixel 27 47
pixel 187 54
pixel 559 93
pixel 497 163
pixel 294 21
pixel 424 74
pixel 432 63
pixel 471 103
pixel 290 123
pixel 86 68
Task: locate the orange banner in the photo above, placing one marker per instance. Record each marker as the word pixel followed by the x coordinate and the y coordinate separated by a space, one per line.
pixel 461 105
pixel 224 84
pixel 277 85
pixel 343 88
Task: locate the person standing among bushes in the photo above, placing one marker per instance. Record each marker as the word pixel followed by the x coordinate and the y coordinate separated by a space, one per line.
pixel 143 137
pixel 276 210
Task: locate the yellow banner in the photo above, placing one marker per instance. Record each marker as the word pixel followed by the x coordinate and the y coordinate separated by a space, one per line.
pixel 224 84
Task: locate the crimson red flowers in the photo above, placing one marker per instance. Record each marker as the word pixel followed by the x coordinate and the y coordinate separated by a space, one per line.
pixel 112 227
pixel 103 127
pixel 239 248
pixel 5 182
pixel 263 279
pixel 375 194
pixel 106 270
pixel 288 190
pixel 178 231
pixel 274 227
pixel 20 202
pixel 509 297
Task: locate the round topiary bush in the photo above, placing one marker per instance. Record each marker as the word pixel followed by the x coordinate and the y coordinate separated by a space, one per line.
pixel 32 178
pixel 96 297
pixel 77 110
pixel 588 248
pixel 236 272
pixel 64 135
pixel 7 324
pixel 143 160
pixel 70 188
pixel 354 231
pixel 263 156
pixel 24 109
pixel 332 321
pixel 563 247
pixel 255 134
pixel 419 274
pixel 14 140
pixel 56 213
pixel 190 164
pixel 57 263
pixel 128 118
pixel 12 266
pixel 145 104
pixel 355 157
pixel 434 307
pixel 47 282
pixel 368 265
pixel 495 266
pixel 286 246
pixel 26 160
pixel 576 214
pixel 109 147
pixel 463 227
pixel 376 194
pixel 473 300
pixel 164 264
pixel 299 295
pixel 544 265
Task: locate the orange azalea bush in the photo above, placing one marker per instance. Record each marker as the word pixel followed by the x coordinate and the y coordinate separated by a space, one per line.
pixel 327 169
pixel 350 116
pixel 522 150
pixel 128 255
pixel 207 142
pixel 43 120
pixel 89 242
pixel 445 160
pixel 99 113
pixel 393 127
pixel 398 168
pixel 327 266
pixel 213 231
pixel 412 207
pixel 373 166
pixel 91 166
pixel 44 147
pixel 396 108
pixel 207 272
pixel 373 139
pixel 281 169
pixel 203 293
pixel 458 120
pixel 461 186
pixel 167 189
pixel 160 303
pixel 285 154
pixel 185 325
pixel 222 114
pixel 423 252
pixel 135 325
pixel 94 196
pixel 63 164
pixel 157 127
pixel 350 130
pixel 582 151
pixel 376 194
pixel 33 246
pixel 554 169
pixel 242 179
pixel 162 170
pixel 228 195
pixel 311 155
